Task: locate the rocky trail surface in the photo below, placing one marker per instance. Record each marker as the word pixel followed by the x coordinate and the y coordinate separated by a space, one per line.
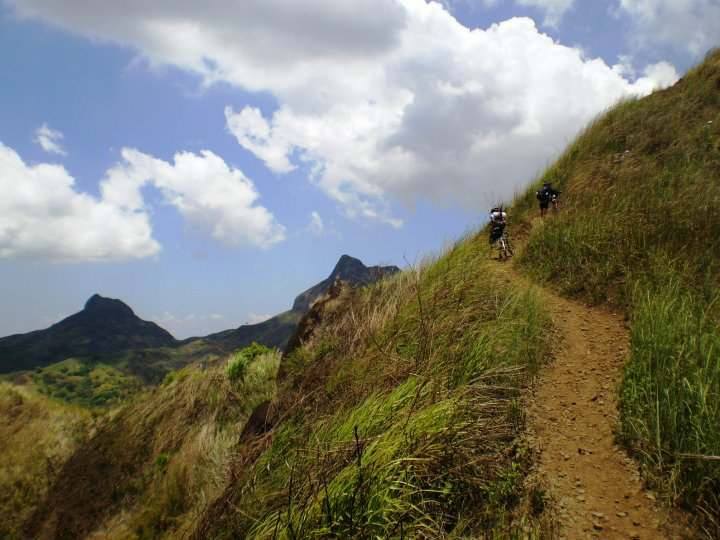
pixel 596 487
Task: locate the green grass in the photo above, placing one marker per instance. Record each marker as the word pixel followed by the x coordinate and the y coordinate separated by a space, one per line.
pixel 182 479
pixel 640 229
pixel 400 417
pixel 85 383
pixel 670 406
pixel 239 363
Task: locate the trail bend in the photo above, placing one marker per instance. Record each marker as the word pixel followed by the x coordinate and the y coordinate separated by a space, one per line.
pixel 572 415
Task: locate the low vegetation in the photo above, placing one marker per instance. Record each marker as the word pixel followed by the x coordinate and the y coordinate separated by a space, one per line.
pixel 239 363
pixel 154 465
pixel 640 229
pixel 85 383
pixel 37 435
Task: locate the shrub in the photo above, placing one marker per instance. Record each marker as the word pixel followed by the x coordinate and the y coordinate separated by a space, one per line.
pixel 241 360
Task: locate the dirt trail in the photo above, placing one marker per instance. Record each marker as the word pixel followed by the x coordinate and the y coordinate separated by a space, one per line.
pixel 595 484
pixel 572 415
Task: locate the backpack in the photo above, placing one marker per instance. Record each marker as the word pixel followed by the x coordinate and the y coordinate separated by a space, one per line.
pixel 543 195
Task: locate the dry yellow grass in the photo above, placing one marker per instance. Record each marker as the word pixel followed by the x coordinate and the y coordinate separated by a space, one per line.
pixel 37 435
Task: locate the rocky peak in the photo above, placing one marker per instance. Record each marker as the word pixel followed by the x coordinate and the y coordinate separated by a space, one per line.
pixel 107 306
pixel 348 267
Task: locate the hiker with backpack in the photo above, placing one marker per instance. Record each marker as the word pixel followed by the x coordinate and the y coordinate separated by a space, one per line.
pixel 498 235
pixel 498 221
pixel 547 195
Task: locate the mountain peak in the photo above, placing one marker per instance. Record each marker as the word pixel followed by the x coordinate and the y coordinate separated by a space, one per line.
pixel 105 327
pixel 100 304
pixel 347 265
pixel 347 269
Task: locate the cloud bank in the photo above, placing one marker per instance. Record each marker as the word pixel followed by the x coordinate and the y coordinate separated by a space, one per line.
pixel 44 216
pixel 379 100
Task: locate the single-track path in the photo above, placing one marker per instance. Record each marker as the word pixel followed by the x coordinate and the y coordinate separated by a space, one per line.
pixel 572 417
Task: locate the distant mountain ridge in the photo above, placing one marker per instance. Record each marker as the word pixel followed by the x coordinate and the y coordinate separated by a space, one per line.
pixel 103 327
pixel 347 269
pixel 107 327
pixel 276 331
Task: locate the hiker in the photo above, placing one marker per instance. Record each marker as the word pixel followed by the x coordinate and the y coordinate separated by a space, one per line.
pixel 498 221
pixel 546 195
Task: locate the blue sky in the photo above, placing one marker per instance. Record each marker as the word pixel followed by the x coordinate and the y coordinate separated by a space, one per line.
pixel 207 163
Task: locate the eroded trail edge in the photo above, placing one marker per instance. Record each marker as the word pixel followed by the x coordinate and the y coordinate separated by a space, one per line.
pixel 596 486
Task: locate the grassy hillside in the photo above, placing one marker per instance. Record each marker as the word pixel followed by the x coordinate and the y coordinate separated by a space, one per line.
pixel 401 415
pixel 640 229
pixel 85 383
pixel 37 435
pixel 155 464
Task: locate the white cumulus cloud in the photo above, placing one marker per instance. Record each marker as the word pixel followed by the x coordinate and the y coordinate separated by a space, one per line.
pixel 50 140
pixel 204 189
pixel 692 25
pixel 43 215
pixel 380 100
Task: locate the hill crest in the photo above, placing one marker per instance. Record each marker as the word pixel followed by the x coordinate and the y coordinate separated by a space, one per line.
pixel 104 326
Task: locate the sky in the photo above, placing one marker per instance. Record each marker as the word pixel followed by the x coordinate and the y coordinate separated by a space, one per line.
pixel 207 161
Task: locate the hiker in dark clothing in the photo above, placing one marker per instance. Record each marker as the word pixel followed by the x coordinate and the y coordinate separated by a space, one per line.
pixel 547 195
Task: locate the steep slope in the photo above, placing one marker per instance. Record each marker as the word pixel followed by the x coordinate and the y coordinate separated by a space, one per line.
pixel 640 229
pixel 37 435
pixel 397 417
pixel 153 466
pixel 277 330
pixel 105 326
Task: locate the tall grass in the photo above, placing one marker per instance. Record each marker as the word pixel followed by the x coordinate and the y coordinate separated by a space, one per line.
pixel 671 393
pixel 640 229
pixel 400 416
pixel 184 478
pixel 37 435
